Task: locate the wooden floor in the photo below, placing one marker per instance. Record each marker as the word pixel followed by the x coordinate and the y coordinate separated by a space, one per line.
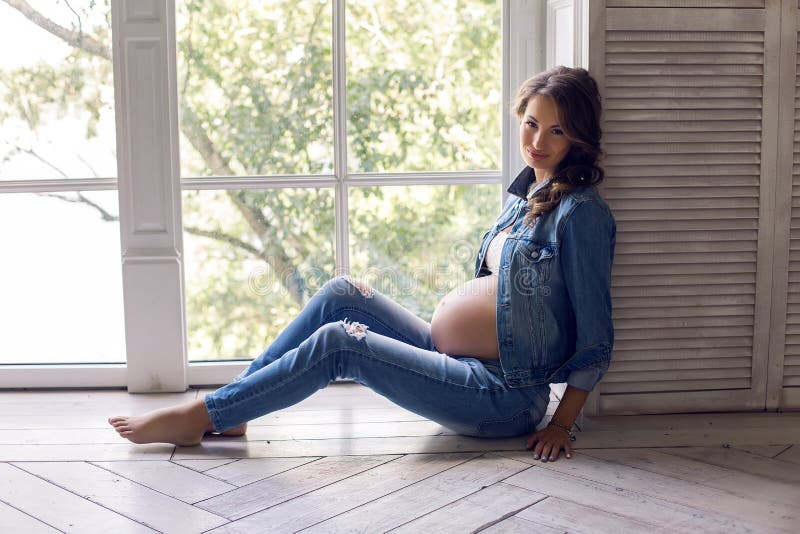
pixel 346 459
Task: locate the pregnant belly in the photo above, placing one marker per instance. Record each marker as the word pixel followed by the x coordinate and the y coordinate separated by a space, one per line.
pixel 464 322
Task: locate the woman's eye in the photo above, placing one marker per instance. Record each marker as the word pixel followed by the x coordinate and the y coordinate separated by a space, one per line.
pixel 556 131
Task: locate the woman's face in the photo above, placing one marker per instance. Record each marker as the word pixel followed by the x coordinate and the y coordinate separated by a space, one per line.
pixel 541 139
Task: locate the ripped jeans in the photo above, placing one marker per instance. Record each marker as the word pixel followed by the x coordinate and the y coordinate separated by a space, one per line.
pixel 351 331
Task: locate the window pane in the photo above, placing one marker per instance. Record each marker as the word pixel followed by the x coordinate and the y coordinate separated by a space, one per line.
pixel 253 259
pixel 417 243
pixel 423 85
pixel 564 23
pixel 255 87
pixel 57 99
pixel 61 293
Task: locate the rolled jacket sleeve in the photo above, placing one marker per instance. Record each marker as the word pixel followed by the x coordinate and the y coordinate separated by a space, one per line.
pixel 587 254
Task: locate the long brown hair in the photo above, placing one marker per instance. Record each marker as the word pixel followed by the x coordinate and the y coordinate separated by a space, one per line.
pixel 578 103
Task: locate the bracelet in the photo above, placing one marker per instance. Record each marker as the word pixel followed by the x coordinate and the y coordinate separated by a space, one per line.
pixel 566 429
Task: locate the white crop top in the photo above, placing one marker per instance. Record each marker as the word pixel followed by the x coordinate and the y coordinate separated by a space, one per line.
pixel 492 257
pixel 493 251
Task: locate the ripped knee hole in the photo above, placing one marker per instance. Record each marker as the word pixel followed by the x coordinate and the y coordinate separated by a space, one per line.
pixel 365 290
pixel 355 329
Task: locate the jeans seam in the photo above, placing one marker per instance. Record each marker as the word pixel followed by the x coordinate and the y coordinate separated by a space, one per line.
pixel 326 354
pixel 212 412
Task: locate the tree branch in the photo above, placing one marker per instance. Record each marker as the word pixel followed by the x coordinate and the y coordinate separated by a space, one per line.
pixel 226 238
pixel 212 234
pixel 75 39
pixel 40 158
pixel 106 216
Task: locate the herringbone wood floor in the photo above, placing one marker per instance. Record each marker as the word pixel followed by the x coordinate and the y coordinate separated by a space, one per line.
pixel 349 460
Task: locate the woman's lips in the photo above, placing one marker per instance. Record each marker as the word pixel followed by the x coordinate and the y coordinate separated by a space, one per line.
pixel 536 156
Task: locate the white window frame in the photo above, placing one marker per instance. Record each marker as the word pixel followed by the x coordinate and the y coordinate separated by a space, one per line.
pixel 579 14
pixel 150 186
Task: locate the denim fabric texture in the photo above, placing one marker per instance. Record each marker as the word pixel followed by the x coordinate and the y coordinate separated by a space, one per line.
pixel 368 337
pixel 554 288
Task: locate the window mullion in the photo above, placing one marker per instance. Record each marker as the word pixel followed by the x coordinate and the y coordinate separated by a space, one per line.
pixel 342 226
pixel 149 194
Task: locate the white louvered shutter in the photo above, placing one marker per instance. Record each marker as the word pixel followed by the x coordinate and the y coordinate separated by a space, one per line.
pixel 690 107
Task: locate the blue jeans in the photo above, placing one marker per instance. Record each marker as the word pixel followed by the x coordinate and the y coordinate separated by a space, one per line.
pixel 350 331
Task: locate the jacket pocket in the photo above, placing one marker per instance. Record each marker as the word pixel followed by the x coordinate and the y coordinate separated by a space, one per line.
pixel 535 261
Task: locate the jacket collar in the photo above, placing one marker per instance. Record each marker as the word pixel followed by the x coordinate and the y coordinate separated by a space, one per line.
pixel 523 181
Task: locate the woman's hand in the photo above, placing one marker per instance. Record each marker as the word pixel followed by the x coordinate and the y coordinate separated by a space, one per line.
pixel 549 442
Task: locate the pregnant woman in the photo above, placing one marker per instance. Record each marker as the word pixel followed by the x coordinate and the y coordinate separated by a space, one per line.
pixel 538 310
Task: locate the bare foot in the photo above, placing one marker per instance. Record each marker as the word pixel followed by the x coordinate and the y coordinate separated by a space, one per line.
pixel 181 425
pixel 238 430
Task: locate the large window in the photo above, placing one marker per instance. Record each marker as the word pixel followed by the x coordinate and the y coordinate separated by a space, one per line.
pixel 61 286
pixel 307 139
pixel 283 93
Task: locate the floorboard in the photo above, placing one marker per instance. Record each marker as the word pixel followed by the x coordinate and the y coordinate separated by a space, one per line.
pixel 346 459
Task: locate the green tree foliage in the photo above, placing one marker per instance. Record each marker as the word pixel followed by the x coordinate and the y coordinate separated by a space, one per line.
pixel 255 93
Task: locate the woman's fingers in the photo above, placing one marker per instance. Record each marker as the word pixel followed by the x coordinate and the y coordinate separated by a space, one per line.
pixel 548 447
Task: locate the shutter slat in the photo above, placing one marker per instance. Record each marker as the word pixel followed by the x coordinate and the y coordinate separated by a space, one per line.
pixel 678 126
pixel 680 226
pixel 673 246
pixel 680 149
pixel 683 114
pixel 685 214
pixel 686 312
pixel 681 136
pixel 686 3
pixel 683 290
pixel 622 271
pixel 652 358
pixel 670 58
pixel 680 364
pixel 718 182
pixel 694 80
pixel 682 345
pixel 667 202
pixel 682 36
pixel 685 70
pixel 675 385
pixel 685 159
pixel 677 374
pixel 717 47
pixel 681 279
pixel 637 303
pixel 678 170
pixel 700 236
pixel 791 377
pixel 682 322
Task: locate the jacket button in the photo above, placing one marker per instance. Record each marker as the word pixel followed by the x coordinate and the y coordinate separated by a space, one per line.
pixel 534 254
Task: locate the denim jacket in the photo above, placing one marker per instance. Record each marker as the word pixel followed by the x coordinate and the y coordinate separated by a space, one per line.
pixel 554 288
